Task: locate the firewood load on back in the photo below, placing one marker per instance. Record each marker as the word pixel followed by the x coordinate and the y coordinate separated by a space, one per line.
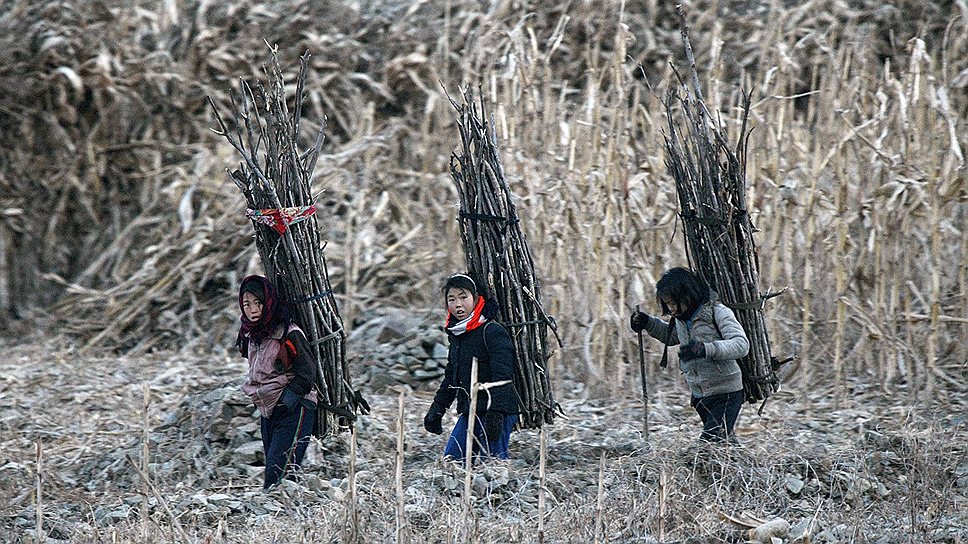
pixel 276 179
pixel 710 178
pixel 497 252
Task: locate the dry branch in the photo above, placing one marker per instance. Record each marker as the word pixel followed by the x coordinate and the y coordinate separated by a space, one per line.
pixel 276 174
pixel 497 252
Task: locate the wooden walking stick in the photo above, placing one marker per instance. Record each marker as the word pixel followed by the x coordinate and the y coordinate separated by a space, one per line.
pixel 645 381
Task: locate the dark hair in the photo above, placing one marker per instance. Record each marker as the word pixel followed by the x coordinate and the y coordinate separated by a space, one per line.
pixel 254 286
pixel 275 311
pixel 460 281
pixel 682 286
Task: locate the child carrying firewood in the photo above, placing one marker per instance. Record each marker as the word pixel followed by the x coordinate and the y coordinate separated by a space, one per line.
pixel 473 334
pixel 711 340
pixel 281 379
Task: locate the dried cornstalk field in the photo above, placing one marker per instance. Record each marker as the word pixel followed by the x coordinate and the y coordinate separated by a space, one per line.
pixel 116 220
pixel 119 236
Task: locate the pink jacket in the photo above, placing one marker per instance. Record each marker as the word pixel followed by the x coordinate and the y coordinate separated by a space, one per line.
pixel 266 379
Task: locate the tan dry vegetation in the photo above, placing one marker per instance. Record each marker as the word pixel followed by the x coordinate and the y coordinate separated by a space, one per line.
pixel 117 220
pixel 116 211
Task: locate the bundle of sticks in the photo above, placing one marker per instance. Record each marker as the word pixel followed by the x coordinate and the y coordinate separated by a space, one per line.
pixel 275 176
pixel 497 252
pixel 710 177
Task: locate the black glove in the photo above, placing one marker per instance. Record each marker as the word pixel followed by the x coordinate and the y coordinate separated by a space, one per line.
pixel 638 320
pixel 291 399
pixel 693 350
pixel 493 426
pixel 433 419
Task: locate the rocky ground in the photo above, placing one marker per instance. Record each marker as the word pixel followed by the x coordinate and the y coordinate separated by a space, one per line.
pixel 165 447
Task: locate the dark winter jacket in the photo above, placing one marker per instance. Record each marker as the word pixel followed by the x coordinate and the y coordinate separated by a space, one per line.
pixel 716 327
pixel 492 346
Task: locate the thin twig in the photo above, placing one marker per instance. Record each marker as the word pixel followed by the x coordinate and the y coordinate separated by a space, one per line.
pixel 161 499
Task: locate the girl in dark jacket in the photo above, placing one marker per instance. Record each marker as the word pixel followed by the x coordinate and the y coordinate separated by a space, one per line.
pixel 472 333
pixel 711 340
pixel 282 376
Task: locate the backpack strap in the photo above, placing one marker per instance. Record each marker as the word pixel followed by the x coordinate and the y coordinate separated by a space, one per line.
pixel 716 324
pixel 665 347
pixel 484 336
pixel 287 350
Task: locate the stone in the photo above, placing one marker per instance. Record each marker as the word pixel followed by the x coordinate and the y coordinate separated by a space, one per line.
pixel 316 484
pixel 294 491
pixel 479 485
pixel 411 363
pixel 801 531
pixel 106 517
pixel 381 379
pixel 235 397
pixel 497 475
pixel 221 499
pixel 262 503
pixel 423 374
pixel 793 484
pixel 391 331
pixel 859 486
pixel 249 453
pixel 439 351
pixel 417 352
pixel 244 422
pixel 775 528
pixel 812 486
pixel 231 472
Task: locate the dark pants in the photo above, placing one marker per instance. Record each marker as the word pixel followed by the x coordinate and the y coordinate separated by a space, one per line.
pixel 718 414
pixel 285 436
pixel 495 448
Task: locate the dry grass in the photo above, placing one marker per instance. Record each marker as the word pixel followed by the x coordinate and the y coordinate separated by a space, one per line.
pixel 873 470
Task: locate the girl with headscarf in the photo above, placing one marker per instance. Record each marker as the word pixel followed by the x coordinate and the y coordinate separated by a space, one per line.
pixel 281 379
pixel 472 333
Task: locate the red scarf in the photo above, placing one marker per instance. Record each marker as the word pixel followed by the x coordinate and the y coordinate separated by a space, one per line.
pixel 472 322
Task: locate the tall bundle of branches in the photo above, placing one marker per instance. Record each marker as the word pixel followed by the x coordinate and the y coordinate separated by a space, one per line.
pixel 497 252
pixel 275 174
pixel 710 177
